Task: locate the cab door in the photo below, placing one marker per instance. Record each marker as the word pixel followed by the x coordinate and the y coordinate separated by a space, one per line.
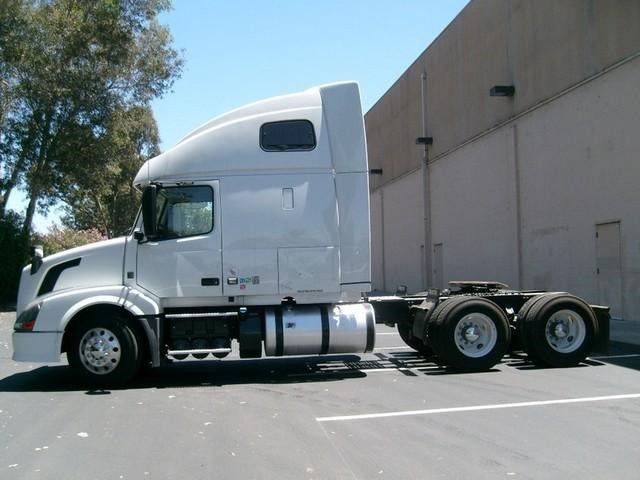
pixel 185 259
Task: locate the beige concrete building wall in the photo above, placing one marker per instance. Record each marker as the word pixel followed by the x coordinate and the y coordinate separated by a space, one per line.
pixel 518 187
pixel 377 241
pixel 579 161
pixel 542 47
pixel 473 209
pixel 398 247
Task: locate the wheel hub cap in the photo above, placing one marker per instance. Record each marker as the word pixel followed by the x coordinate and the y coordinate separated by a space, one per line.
pixel 565 331
pixel 476 335
pixel 560 331
pixel 100 351
pixel 471 334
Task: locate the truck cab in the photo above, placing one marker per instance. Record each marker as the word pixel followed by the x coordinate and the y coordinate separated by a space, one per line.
pixel 253 227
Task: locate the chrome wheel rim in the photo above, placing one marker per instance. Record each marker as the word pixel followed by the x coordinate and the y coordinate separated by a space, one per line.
pixel 100 351
pixel 476 335
pixel 565 331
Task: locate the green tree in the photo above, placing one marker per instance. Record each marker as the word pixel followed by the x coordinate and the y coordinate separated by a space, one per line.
pixel 69 68
pixel 11 240
pixel 97 185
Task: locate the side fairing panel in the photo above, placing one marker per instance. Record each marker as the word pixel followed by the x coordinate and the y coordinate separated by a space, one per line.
pixel 345 124
pixel 355 238
pixel 263 214
pixel 308 270
pixel 345 127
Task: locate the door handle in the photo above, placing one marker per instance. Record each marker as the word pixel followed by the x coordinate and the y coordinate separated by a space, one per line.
pixel 210 282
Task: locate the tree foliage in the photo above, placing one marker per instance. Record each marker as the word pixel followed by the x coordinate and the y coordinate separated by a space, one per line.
pixel 74 75
pixel 11 240
pixel 97 187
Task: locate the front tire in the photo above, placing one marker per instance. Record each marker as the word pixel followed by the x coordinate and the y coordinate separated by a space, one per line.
pixel 103 350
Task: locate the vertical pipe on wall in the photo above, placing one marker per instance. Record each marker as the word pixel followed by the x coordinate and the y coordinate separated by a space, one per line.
pixel 426 185
pixel 423 274
pixel 513 147
pixel 382 247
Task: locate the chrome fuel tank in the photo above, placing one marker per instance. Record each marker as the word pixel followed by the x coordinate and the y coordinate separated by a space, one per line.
pixel 319 329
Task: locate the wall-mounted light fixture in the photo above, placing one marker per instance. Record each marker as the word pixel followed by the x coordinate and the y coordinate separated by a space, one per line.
pixel 502 91
pixel 424 141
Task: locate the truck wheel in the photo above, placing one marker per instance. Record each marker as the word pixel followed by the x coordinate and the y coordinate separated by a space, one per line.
pixel 104 350
pixel 560 330
pixel 469 333
pixel 520 328
pixel 404 329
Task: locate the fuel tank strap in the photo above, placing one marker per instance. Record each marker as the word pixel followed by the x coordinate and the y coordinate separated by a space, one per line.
pixel 371 330
pixel 279 333
pixel 324 317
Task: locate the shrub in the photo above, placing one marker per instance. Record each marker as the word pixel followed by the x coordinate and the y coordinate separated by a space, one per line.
pixel 58 239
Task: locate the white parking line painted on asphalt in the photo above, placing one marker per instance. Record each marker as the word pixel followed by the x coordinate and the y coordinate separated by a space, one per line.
pixel 477 408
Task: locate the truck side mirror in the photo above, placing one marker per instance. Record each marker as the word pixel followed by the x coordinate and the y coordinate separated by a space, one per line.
pixel 37 253
pixel 149 211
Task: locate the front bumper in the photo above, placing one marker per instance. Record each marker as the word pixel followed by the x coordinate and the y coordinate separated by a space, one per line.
pixel 36 346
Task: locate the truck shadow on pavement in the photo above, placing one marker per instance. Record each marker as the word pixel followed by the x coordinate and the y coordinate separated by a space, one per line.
pixel 620 354
pixel 615 353
pixel 184 374
pixel 289 370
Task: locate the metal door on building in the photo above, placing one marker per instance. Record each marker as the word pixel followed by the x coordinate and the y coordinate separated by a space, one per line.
pixel 609 267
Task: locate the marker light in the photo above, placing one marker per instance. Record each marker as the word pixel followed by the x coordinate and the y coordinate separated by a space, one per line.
pixel 27 319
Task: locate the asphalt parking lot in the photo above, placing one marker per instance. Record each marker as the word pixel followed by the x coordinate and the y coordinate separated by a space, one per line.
pixel 389 414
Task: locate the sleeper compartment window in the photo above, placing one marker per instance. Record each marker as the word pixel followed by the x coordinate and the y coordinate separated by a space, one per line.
pixel 289 135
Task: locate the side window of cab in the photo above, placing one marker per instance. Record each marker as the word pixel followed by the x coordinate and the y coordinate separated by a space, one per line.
pixel 184 211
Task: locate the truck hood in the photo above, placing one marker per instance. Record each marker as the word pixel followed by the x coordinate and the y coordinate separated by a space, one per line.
pixel 94 265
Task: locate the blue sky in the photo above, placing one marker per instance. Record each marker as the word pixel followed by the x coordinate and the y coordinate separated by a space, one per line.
pixel 240 51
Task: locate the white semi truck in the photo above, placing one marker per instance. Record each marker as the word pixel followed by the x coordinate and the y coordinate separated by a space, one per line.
pixel 255 228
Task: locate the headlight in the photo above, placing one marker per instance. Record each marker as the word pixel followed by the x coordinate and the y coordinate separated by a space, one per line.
pixel 27 319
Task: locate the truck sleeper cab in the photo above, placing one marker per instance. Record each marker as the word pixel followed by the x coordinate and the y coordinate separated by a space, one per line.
pixel 254 227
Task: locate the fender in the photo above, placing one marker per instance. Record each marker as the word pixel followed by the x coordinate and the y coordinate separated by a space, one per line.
pixel 59 309
pixel 133 301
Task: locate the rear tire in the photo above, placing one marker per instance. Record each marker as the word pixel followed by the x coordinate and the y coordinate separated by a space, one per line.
pixel 469 333
pixel 104 350
pixel 525 339
pixel 560 330
pixel 404 329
